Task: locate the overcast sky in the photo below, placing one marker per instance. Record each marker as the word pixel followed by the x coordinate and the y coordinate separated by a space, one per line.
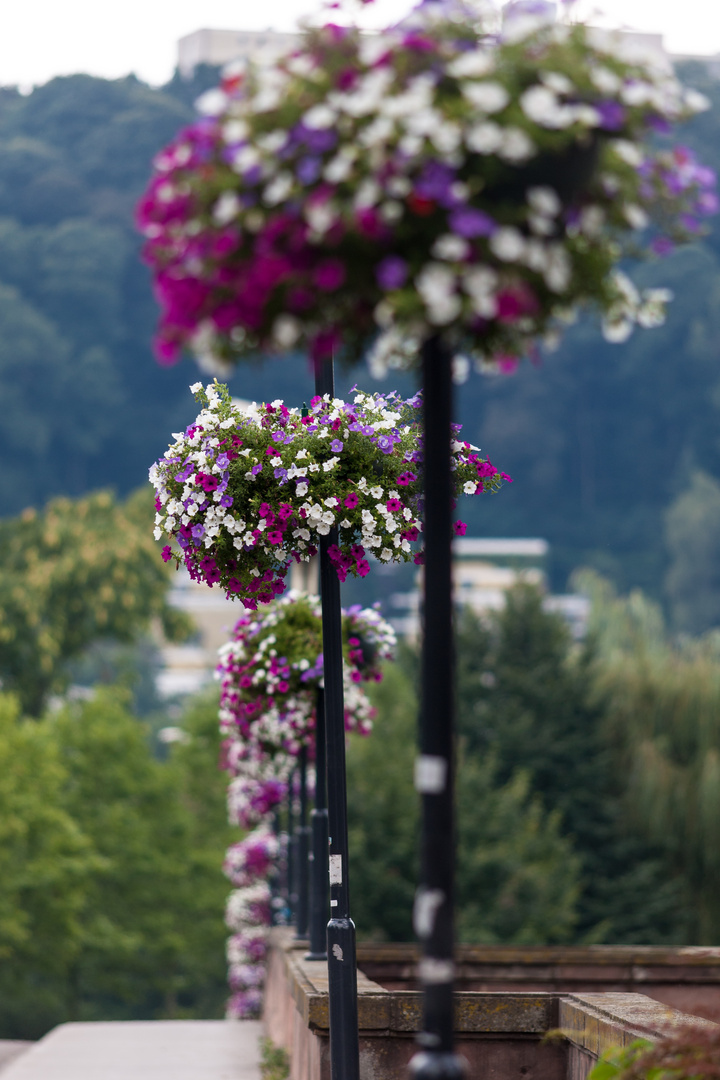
pixel 43 38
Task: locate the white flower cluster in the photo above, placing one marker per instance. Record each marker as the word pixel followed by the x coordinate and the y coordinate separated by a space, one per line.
pixel 632 307
pixel 248 907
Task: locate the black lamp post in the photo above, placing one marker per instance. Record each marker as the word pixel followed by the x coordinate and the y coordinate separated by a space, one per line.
pixel 302 842
pixel 319 905
pixel 342 975
pixel 433 914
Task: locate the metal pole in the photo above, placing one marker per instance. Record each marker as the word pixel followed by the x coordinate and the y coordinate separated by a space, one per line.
pixel 291 849
pixel 277 904
pixel 433 914
pixel 342 973
pixel 319 905
pixel 302 851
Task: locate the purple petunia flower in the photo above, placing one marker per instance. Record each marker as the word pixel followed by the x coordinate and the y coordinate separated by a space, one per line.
pixel 612 115
pixel 385 443
pixel 467 222
pixel 391 272
pixel 336 446
pixel 226 501
pixel 308 170
pixel 256 469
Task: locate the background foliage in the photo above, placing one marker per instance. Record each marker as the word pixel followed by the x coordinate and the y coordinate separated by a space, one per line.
pixel 111 896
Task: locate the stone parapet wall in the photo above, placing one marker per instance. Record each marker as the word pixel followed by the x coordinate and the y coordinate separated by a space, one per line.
pixel 687 979
pixel 500 1032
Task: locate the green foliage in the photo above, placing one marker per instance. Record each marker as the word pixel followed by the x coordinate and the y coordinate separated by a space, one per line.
pixel 81 570
pixel 516 876
pixel 525 697
pixel 112 897
pixel 46 864
pixel 685 1052
pixel 383 813
pixel 692 582
pixel 274 1061
pixel 663 728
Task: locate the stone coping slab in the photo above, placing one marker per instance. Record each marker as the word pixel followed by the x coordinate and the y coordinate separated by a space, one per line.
pixel 144 1050
pixel 559 963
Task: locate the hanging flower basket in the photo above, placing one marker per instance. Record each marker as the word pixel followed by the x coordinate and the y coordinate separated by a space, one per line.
pixel 428 178
pixel 269 676
pixel 244 493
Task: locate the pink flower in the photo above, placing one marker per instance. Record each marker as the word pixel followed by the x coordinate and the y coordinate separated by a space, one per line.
pixel 393 505
pixel 275 537
pixel 406 478
pixel 330 275
pixel 265 510
pixel 460 528
pixel 350 501
pixel 167 553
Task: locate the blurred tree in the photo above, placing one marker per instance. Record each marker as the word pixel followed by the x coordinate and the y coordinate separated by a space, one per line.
pixel 516 876
pixel 111 894
pixel 525 697
pixel 81 570
pixel 663 729
pixel 46 865
pixel 692 530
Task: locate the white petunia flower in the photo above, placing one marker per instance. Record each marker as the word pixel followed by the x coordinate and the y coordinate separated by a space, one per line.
pixel 319 117
pixel 212 102
pixel 488 97
pixel 226 208
pixel 507 243
pixel 278 189
pixel 286 331
pixel 484 138
pixel 544 201
pixel 450 247
pixel 516 146
pixel 635 216
pixel 472 64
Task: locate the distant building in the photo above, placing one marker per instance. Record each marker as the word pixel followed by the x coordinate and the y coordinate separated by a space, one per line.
pixel 187 668
pixel 218 47
pixel 483 571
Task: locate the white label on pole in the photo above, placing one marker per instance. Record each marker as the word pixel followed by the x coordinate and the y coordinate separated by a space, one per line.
pixel 335 869
pixel 333 903
pixel 425 909
pixel 433 972
pixel 430 774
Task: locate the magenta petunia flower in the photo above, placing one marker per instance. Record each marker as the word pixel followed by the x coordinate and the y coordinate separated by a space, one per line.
pixel 460 528
pixel 393 505
pixel 350 501
pixel 167 553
